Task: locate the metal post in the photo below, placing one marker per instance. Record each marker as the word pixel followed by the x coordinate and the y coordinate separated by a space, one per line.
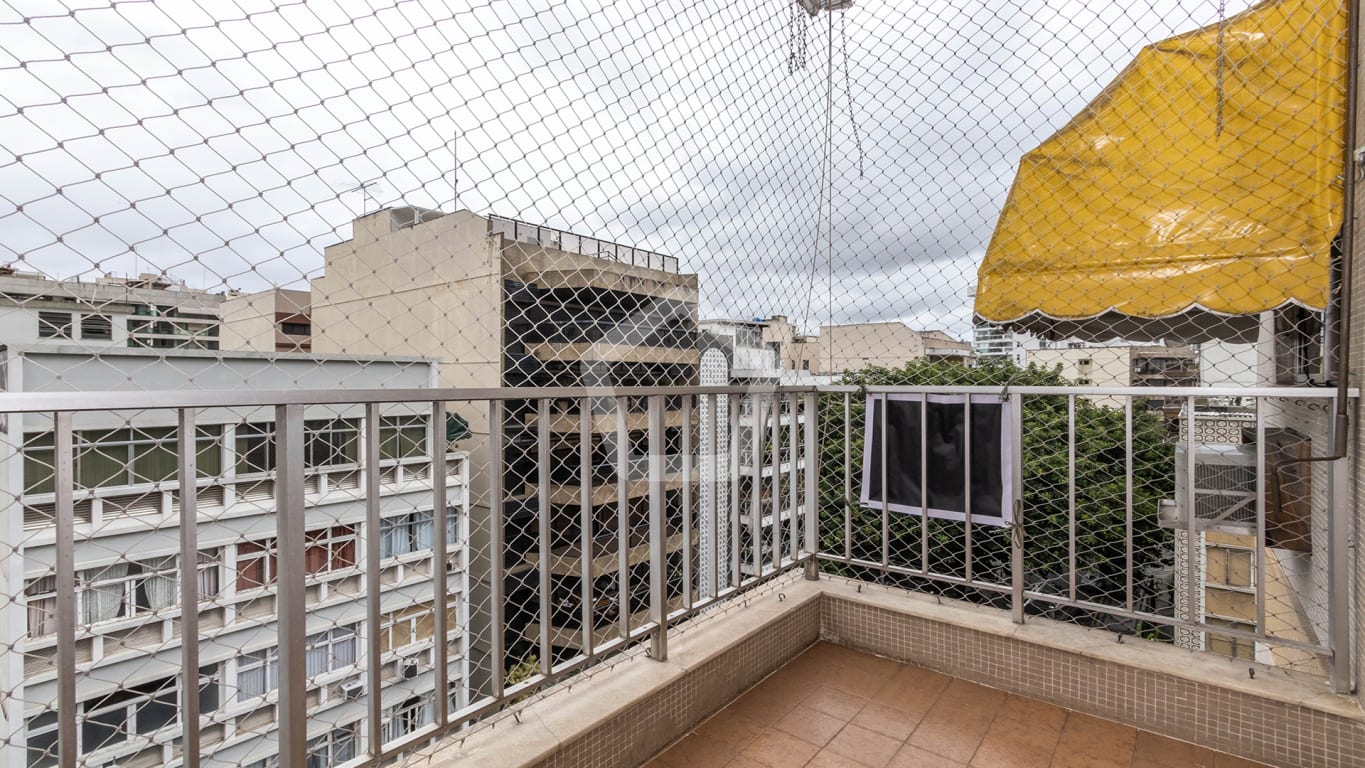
pixel 1128 499
pixel 1193 576
pixel 848 477
pixel 622 521
pixel 886 501
pixel 967 485
pixel 290 601
pixel 1341 504
pixel 1071 497
pixel 496 557
pixel 775 480
pixel 733 406
pixel 687 501
pixel 63 478
pixel 712 462
pixel 756 484
pixel 543 530
pixel 440 566
pixel 1260 549
pixel 1017 534
pixel 924 483
pixel 658 564
pixel 373 663
pixel 811 509
pixel 187 474
pixel 792 495
pixel 585 523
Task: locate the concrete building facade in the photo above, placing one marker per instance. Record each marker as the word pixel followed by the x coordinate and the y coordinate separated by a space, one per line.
pixel 277 320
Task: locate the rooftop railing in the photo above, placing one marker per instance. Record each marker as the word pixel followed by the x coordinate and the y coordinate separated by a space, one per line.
pixel 548 237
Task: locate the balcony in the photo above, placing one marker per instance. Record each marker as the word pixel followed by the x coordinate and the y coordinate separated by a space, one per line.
pixel 690 621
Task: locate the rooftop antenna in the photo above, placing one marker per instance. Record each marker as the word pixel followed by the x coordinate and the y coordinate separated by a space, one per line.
pixel 364 188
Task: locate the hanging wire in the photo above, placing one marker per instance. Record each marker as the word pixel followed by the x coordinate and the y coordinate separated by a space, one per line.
pixel 848 89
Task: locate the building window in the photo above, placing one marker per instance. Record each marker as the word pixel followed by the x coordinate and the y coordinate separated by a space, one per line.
pixel 410 533
pixel 402 437
pixel 124 715
pixel 406 627
pixel 97 328
pixel 210 569
pixel 329 549
pixel 117 457
pixel 256 564
pixel 1235 647
pixel 127 589
pixel 54 325
pixel 40 596
pixel 333 748
pixel 1083 382
pixel 255 448
pixel 258 673
pixel 41 735
pixel 407 717
pixel 296 329
pixel 1229 566
pixel 330 442
pixel 330 651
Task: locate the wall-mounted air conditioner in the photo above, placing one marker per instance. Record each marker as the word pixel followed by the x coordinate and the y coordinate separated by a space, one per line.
pixel 1224 488
pixel 351 690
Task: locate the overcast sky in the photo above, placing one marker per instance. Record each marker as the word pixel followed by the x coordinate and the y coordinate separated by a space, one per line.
pixel 217 140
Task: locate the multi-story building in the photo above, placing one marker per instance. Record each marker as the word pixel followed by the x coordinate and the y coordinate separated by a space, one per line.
pixel 991 341
pixel 127 560
pixel 276 320
pixel 150 311
pixel 1086 365
pixel 840 348
pixel 502 303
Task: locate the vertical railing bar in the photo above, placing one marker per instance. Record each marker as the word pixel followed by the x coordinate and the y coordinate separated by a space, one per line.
pixel 967 485
pixel 543 530
pixel 775 479
pixel 63 478
pixel 687 500
pixel 187 474
pixel 812 506
pixel 622 520
pixel 734 405
pixel 848 477
pixel 658 562
pixel 1128 502
pixel 1071 497
pixel 373 700
pixel 1017 482
pixel 440 566
pixel 712 460
pixel 1340 505
pixel 1260 548
pixel 496 556
pixel 1193 573
pixel 290 600
pixel 924 483
pixel 756 484
pixel 886 501
pixel 585 524
pixel 792 494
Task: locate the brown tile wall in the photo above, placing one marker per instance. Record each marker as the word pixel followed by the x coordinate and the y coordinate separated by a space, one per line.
pixel 1218 718
pixel 637 735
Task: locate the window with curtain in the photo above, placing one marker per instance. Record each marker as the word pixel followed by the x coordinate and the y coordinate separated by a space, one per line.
pixel 258 673
pixel 40 597
pixel 333 748
pixel 330 651
pixel 329 549
pixel 407 717
pixel 256 563
pixel 209 572
pixel 405 534
pixel 121 590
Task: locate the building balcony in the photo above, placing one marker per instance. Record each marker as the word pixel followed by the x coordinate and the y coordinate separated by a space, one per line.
pixel 1086 629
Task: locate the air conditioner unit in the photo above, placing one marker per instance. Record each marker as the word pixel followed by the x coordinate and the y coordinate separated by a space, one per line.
pixel 352 689
pixel 1224 488
pixel 408 668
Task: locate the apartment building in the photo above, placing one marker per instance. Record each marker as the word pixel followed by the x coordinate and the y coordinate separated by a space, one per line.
pixel 1087 365
pixel 276 320
pixel 150 311
pixel 505 303
pixel 849 347
pixel 127 561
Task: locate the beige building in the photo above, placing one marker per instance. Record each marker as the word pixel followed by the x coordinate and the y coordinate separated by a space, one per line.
pixel 503 303
pixel 841 348
pixel 277 320
pixel 1134 366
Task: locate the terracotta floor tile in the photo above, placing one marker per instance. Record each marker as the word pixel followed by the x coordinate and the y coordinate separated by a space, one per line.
pixel 1153 751
pixel 810 725
pixel 1090 741
pixel 860 682
pixel 913 690
pixel 763 706
pixel 696 749
pixel 731 728
pixel 1032 711
pixel 827 759
pixel 779 749
pixel 833 701
pixel 1228 761
pixel 865 746
pixel 743 762
pixel 958 721
pixel 914 757
pixel 1011 743
pixel 889 721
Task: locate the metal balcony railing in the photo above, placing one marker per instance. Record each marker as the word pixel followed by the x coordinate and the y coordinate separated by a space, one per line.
pixel 560 240
pixel 336 613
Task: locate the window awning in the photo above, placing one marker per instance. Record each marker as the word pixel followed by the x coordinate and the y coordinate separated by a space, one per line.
pixel 1201 187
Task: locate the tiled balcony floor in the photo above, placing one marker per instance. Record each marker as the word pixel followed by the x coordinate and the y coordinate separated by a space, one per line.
pixel 833 707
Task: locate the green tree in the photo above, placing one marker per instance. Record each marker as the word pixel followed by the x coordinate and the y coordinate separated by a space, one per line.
pixel 1101 511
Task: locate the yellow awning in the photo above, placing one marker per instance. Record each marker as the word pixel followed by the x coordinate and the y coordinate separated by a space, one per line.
pixel 1203 180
